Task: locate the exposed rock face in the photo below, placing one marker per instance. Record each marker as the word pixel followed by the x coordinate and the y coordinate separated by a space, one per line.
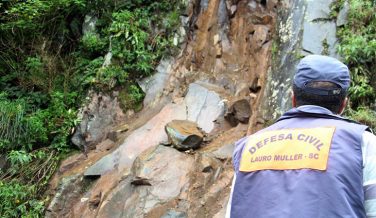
pixel 69 188
pixel 98 117
pixel 304 28
pixel 183 134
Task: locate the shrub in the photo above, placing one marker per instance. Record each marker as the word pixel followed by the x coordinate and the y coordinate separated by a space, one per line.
pixel 358 47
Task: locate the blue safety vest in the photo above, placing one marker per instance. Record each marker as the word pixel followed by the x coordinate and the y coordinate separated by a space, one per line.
pixel 334 192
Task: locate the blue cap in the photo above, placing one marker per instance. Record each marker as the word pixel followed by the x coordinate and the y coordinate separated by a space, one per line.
pixel 314 68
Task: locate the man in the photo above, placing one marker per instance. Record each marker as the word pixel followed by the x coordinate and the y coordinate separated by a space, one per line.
pixel 312 163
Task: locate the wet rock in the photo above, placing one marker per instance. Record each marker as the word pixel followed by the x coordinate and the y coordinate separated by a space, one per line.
pixel 240 111
pixel 69 191
pixel 343 14
pixel 183 134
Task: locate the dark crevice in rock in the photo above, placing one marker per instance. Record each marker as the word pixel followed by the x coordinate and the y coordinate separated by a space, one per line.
pixel 317 20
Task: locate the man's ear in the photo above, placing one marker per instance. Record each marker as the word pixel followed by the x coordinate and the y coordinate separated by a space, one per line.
pixel 293 99
pixel 342 106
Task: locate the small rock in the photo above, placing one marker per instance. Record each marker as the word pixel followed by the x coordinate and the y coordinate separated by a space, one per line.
pixel 240 111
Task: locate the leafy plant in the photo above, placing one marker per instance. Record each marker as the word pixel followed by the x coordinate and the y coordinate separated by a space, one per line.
pixel 358 47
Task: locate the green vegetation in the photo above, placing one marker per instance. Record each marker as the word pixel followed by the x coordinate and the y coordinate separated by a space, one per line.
pixel 47 65
pixel 358 47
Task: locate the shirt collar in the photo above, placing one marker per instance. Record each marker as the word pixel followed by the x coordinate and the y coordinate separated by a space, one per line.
pixel 315 109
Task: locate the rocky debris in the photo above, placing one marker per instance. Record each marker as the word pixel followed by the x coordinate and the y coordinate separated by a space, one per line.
pixel 219 190
pixel 200 106
pixel 240 111
pixel 97 118
pixel 69 191
pixel 184 134
pixel 343 14
pixel 153 86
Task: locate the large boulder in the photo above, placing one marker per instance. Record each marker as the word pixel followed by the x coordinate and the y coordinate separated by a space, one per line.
pixel 183 134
